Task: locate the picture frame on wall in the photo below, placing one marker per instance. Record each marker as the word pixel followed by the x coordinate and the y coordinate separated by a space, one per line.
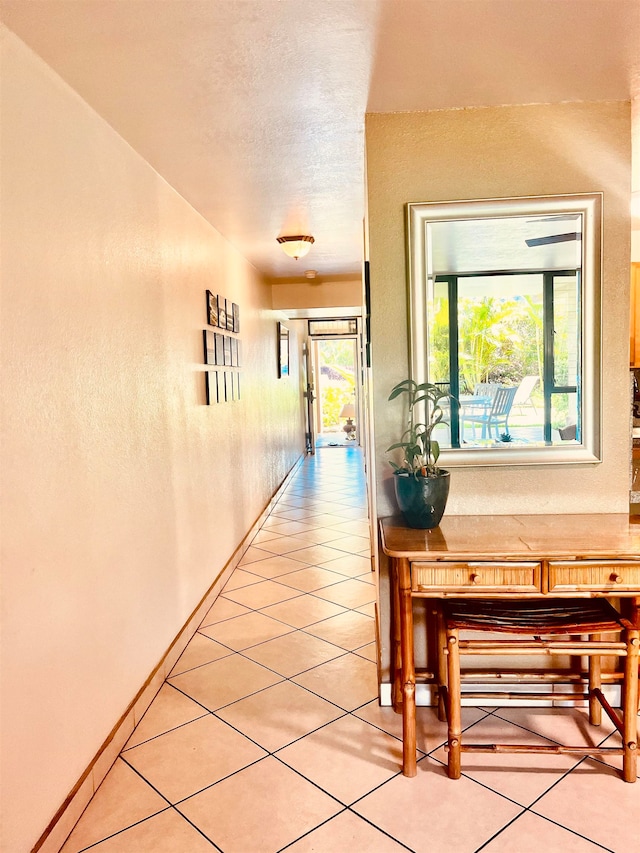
pixel 209 347
pixel 212 309
pixel 222 312
pixel 235 312
pixel 219 344
pixel 211 386
pixel 229 307
pixel 283 351
pixel 234 352
pixel 227 351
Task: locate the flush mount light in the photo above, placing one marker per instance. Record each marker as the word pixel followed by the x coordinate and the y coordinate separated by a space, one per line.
pixel 296 247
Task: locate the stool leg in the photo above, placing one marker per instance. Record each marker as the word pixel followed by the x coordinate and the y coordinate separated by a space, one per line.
pixel 595 682
pixel 453 711
pixel 633 612
pixel 441 639
pixel 629 708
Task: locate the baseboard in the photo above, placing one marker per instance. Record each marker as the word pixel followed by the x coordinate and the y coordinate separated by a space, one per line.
pixel 63 822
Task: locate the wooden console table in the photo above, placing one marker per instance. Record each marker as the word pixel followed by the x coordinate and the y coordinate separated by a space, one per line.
pixel 502 556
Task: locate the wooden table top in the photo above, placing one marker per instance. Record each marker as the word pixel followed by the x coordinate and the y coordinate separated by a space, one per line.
pixel 495 537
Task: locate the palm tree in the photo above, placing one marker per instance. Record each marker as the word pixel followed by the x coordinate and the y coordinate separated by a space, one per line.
pixel 483 326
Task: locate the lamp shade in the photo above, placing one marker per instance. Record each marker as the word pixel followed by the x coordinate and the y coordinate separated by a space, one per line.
pixel 296 247
pixel 348 411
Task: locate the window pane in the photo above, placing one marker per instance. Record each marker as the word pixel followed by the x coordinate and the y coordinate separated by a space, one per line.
pixel 564 417
pixel 438 333
pixel 565 330
pixel 500 329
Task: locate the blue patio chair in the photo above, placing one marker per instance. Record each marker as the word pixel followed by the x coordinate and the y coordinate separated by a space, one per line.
pixel 494 414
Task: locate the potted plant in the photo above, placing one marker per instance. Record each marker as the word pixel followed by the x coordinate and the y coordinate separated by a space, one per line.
pixel 421 487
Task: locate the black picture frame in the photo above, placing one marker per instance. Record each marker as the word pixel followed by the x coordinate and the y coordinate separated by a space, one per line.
pixel 235 313
pixel 229 307
pixel 211 386
pixel 208 339
pixel 219 345
pixel 283 351
pixel 227 351
pixel 222 312
pixel 212 309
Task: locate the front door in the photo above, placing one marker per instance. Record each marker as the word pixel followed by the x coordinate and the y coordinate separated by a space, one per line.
pixel 308 379
pixel 336 372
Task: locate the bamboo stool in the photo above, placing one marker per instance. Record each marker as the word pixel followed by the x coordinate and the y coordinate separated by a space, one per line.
pixel 543 621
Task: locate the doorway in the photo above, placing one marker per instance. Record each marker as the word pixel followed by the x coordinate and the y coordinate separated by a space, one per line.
pixel 335 368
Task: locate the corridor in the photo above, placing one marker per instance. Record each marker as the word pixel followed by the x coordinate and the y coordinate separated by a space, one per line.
pixel 268 734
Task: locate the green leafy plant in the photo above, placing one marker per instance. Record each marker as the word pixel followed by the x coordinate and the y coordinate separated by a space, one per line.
pixel 506 437
pixel 420 450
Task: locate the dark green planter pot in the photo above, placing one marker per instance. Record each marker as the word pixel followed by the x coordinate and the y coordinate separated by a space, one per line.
pixel 422 500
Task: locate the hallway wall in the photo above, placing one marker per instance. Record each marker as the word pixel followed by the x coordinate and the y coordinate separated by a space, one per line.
pixel 499 152
pixel 123 494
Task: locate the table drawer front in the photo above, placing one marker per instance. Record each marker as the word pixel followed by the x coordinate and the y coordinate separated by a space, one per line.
pixel 475 577
pixel 594 575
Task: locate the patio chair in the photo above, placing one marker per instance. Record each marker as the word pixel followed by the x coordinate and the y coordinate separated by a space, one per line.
pixel 486 390
pixel 493 415
pixel 523 393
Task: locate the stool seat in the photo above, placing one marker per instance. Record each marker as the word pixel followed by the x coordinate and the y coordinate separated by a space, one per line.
pixel 572 626
pixel 537 616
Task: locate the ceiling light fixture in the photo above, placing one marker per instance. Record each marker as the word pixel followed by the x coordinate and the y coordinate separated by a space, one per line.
pixel 296 247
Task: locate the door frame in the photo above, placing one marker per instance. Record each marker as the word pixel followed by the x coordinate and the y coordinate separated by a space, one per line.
pixel 316 415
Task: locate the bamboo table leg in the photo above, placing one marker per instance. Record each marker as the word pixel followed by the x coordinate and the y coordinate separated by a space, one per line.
pixel 403 582
pixel 396 648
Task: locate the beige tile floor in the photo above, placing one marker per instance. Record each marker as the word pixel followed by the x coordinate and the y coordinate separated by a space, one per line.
pixel 268 734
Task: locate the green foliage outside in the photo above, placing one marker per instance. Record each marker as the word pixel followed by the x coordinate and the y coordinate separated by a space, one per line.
pixel 335 396
pixel 500 340
pixel 336 392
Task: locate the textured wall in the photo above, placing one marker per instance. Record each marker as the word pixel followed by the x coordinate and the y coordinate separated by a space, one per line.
pixel 318 294
pixel 492 153
pixel 123 494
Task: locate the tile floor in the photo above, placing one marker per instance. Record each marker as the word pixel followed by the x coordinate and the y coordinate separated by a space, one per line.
pixel 268 735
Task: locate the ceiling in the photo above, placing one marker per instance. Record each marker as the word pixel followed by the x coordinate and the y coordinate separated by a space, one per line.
pixel 499 243
pixel 254 109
